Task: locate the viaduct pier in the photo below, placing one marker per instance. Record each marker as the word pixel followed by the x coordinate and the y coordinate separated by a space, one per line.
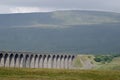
pixel 36 60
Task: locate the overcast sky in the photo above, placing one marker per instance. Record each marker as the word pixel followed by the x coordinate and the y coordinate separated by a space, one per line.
pixel 21 6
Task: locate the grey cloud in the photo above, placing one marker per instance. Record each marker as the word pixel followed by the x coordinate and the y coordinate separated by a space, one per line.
pixel 109 5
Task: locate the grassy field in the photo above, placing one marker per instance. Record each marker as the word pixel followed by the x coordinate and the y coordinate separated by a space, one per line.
pixel 54 74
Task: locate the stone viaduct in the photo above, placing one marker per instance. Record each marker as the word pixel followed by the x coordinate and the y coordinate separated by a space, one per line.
pixel 36 60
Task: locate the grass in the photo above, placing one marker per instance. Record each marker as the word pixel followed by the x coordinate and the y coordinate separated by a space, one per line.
pixel 113 65
pixel 81 62
pixel 55 74
pixel 77 62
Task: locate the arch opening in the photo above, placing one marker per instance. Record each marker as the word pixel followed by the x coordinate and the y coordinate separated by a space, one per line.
pixel 27 61
pixel 36 61
pixel 40 61
pixel 62 62
pixel 16 60
pixel 49 61
pixel 12 60
pixel 1 60
pixel 31 61
pixel 6 60
pixel 44 61
pixel 69 62
pixel 54 61
pixel 58 62
pixel 21 61
pixel 65 62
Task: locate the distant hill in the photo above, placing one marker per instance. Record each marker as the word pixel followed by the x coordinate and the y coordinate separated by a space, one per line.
pixel 70 31
pixel 59 19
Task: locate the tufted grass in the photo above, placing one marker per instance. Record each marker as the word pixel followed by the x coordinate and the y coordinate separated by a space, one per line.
pixel 55 74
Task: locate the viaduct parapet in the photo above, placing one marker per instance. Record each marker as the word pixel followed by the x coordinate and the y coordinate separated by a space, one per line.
pixel 36 60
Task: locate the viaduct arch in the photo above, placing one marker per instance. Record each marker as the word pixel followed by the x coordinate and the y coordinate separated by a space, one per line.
pixel 36 60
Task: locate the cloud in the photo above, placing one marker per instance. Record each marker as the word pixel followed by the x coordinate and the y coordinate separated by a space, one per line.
pixel 28 9
pixel 46 5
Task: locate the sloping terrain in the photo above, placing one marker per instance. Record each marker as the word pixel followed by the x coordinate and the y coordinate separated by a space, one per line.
pixel 61 31
pixel 113 65
pixel 59 19
pixel 89 62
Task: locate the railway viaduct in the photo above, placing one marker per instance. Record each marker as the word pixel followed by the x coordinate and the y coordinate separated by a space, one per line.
pixel 36 60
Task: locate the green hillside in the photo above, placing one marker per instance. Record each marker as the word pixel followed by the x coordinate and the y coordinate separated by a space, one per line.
pixel 97 62
pixel 71 31
pixel 85 17
pixel 59 19
pixel 113 65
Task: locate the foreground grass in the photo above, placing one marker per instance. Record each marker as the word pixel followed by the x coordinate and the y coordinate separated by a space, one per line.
pixel 54 74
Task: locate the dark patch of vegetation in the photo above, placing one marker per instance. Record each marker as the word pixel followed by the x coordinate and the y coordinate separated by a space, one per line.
pixel 103 58
pixel 116 55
